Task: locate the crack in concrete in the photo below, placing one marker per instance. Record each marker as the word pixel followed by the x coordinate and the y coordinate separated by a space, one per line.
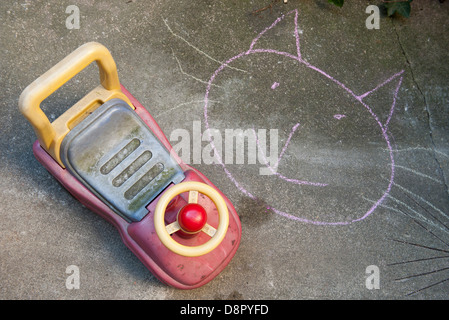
pixel 428 113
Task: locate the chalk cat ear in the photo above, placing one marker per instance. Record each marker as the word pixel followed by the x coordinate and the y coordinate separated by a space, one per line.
pixel 273 38
pixel 383 94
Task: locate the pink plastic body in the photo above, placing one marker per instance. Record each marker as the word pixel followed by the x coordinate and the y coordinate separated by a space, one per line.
pixel 141 238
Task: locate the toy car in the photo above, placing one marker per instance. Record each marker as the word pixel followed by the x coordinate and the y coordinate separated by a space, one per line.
pixel 110 154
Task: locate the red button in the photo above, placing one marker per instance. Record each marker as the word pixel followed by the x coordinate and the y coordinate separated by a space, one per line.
pixel 192 217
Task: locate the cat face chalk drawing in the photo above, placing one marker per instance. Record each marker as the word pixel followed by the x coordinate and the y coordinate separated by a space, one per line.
pixel 332 168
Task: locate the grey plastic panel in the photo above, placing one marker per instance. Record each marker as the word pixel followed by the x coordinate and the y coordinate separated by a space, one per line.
pixel 115 155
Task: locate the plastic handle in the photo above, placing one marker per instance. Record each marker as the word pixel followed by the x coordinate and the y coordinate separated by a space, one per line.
pixel 53 79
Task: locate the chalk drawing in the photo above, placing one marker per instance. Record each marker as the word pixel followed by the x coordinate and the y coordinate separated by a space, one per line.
pixel 421 270
pixel 419 174
pixel 194 47
pixel 183 104
pixel 273 168
pixel 424 267
pixel 439 211
pixel 188 74
pixel 412 149
pixel 339 116
pixel 286 144
pixel 296 57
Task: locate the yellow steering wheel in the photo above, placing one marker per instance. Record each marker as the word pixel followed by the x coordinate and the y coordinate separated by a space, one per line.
pixel 164 232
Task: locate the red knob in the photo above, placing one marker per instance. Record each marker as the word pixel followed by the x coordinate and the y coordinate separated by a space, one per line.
pixel 192 217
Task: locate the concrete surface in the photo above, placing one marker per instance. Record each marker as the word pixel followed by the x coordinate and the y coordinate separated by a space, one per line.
pixel 166 52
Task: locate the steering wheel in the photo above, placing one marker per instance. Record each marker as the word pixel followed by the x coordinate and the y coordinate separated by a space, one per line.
pixel 191 218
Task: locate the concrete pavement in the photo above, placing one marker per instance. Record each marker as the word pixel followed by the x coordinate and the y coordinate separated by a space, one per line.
pixel 363 116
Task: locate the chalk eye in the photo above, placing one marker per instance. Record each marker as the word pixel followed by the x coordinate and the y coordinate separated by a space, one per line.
pixel 339 116
pixel 275 85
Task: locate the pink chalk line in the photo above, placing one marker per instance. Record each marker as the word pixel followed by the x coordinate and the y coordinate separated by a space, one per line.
pixel 273 169
pixel 296 126
pixel 359 98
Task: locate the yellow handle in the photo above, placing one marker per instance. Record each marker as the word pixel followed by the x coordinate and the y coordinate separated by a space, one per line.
pixel 50 135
